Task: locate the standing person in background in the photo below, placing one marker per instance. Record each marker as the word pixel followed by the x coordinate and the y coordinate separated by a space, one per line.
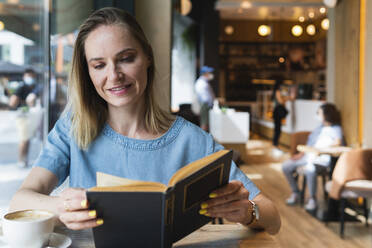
pixel 205 95
pixel 25 97
pixel 279 113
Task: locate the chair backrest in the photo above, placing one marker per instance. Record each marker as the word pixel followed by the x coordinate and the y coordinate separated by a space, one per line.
pixel 353 165
pixel 298 138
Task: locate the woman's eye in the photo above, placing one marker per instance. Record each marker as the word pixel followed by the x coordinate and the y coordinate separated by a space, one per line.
pixel 127 59
pixel 99 66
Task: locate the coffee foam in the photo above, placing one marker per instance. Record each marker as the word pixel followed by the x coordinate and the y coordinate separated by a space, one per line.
pixel 28 215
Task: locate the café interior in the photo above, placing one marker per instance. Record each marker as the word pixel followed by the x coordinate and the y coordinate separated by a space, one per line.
pixel 318 49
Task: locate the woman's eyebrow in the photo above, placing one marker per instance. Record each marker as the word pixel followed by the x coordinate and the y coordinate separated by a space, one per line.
pixel 117 55
pixel 124 51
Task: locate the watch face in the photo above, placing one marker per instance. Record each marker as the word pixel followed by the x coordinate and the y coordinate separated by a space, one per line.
pixel 257 213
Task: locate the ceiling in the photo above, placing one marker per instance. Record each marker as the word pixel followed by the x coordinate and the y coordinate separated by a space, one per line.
pixel 289 10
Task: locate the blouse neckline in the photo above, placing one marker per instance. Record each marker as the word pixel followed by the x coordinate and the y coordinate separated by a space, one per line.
pixel 140 144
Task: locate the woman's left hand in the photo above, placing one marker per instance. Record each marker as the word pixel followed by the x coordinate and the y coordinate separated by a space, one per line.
pixel 229 202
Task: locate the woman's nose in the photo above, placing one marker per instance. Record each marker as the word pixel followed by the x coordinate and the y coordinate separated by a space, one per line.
pixel 114 73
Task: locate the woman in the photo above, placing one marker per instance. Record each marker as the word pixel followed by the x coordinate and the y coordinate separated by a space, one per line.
pixel 279 114
pixel 117 128
pixel 328 134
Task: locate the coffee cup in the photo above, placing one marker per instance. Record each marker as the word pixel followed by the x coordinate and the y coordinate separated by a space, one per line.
pixel 28 228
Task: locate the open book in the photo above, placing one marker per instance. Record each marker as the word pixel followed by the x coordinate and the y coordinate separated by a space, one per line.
pixel 151 214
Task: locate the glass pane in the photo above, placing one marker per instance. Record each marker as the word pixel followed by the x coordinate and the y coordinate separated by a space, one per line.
pixel 21 106
pixel 66 17
pixel 22 109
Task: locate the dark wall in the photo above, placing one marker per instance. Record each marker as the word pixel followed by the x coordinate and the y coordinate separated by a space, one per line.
pixel 128 5
pixel 207 19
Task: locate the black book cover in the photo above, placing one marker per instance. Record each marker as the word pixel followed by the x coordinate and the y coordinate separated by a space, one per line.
pixel 157 219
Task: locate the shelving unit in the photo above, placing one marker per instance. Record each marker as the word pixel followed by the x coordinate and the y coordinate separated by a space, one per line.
pixel 244 63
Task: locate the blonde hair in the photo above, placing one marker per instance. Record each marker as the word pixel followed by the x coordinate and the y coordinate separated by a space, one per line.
pixel 88 110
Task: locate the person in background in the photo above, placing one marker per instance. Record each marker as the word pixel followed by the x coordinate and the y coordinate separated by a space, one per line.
pixel 112 114
pixel 279 113
pixel 328 134
pixel 205 95
pixel 23 98
pixel 27 92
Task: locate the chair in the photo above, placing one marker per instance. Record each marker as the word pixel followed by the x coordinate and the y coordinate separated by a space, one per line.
pixel 320 171
pixel 351 179
pixel 298 138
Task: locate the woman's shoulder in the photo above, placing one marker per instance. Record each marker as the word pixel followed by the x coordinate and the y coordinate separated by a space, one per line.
pixel 64 120
pixel 192 129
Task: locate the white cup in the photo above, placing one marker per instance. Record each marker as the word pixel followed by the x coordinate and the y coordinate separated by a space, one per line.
pixel 28 228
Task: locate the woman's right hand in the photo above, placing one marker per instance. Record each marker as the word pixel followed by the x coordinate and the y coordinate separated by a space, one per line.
pixel 73 210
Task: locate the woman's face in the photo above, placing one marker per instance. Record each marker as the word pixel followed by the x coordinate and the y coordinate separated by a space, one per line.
pixel 117 65
pixel 320 115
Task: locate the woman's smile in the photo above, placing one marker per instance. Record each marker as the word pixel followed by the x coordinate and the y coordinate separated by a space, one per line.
pixel 120 90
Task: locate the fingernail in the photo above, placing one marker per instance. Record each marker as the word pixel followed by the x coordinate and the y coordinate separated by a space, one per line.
pixel 99 221
pixel 204 205
pixel 212 195
pixel 92 213
pixel 84 203
pixel 202 211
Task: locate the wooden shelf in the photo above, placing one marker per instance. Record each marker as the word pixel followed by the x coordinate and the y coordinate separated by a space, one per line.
pixel 239 62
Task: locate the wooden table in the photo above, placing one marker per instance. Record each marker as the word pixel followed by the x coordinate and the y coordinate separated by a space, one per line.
pixel 231 236
pixel 334 151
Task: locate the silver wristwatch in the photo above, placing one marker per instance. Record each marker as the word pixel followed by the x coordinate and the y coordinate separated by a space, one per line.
pixel 255 213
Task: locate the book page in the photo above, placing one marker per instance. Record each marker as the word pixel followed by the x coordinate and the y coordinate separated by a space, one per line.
pixel 106 182
pixel 195 166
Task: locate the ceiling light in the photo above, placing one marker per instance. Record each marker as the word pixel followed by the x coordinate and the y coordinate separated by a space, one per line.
pixel 301 19
pixel 311 14
pixel 13 1
pixel 246 5
pixel 2 26
pixel 325 24
pixel 264 30
pixel 297 30
pixel 311 30
pixel 281 60
pixel 322 10
pixel 229 30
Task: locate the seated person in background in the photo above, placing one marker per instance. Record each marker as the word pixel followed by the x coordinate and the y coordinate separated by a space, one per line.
pixel 25 96
pixel 328 134
pixel 114 124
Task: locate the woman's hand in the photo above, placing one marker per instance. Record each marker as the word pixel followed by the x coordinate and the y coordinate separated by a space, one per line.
pixel 229 202
pixel 73 210
pixel 297 156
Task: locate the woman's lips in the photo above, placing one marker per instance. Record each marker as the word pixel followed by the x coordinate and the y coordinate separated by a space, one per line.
pixel 120 90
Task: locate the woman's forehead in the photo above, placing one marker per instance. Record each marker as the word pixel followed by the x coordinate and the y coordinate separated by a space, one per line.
pixel 109 38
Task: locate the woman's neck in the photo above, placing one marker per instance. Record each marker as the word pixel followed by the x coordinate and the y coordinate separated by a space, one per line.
pixel 129 121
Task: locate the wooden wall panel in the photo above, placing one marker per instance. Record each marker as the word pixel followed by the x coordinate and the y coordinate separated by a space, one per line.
pixel 346 90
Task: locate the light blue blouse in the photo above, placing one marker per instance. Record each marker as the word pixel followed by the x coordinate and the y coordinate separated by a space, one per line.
pixel 148 160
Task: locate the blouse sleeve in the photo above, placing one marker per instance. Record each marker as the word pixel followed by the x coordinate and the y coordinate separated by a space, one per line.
pixel 55 156
pixel 237 174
